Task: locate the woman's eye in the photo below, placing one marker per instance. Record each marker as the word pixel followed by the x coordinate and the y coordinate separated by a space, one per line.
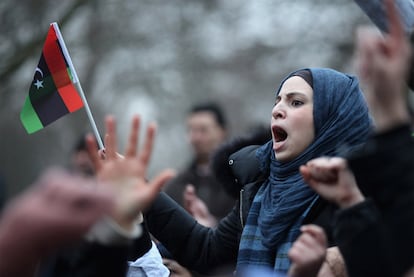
pixel 277 101
pixel 297 103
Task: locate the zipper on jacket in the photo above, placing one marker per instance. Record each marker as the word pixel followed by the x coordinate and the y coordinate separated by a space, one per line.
pixel 241 208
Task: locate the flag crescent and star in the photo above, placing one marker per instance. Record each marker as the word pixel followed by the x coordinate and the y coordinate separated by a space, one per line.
pixel 39 81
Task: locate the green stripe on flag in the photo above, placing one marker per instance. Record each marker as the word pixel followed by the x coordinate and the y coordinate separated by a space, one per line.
pixel 70 74
pixel 29 118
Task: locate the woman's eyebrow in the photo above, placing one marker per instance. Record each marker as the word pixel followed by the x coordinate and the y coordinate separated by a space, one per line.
pixel 292 94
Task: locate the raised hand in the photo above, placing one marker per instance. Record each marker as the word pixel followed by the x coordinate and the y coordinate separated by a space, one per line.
pixel 176 270
pixel 127 174
pixel 197 208
pixel 383 66
pixel 332 179
pixel 308 252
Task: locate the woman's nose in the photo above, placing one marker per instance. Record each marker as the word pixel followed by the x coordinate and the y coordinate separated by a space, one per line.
pixel 278 111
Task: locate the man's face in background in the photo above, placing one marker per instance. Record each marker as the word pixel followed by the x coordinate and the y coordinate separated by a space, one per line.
pixel 204 133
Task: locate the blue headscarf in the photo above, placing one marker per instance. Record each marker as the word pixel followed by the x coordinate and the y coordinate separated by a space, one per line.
pixel 341 120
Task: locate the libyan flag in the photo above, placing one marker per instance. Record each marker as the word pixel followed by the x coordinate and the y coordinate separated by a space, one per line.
pixel 52 93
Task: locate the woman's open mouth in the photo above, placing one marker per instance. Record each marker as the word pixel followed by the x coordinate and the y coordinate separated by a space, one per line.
pixel 279 134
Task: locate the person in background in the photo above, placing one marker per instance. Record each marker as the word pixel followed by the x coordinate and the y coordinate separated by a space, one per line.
pixel 80 162
pixel 207 130
pixel 196 188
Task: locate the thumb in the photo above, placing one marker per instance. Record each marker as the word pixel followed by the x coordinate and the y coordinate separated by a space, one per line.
pixel 159 181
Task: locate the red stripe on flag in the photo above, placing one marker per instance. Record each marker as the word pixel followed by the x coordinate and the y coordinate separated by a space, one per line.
pixel 71 97
pixel 55 59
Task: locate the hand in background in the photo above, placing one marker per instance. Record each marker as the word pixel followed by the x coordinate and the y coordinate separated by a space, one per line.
pixel 383 66
pixel 176 270
pixel 308 252
pixel 197 208
pixel 127 175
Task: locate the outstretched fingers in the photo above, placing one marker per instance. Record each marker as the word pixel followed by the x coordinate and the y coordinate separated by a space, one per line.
pixel 395 26
pixel 366 43
pixel 153 188
pixel 93 151
pixel 131 149
pixel 159 181
pixel 145 154
pixel 110 138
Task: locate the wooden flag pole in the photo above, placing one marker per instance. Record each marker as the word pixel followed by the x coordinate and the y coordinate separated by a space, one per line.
pixel 78 85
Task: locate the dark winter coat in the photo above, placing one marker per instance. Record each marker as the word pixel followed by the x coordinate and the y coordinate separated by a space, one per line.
pixel 376 237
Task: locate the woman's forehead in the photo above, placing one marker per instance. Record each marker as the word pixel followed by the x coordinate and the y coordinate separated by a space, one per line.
pixel 295 84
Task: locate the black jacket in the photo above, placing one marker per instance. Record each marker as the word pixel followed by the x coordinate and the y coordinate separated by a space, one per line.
pixel 86 260
pixel 376 237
